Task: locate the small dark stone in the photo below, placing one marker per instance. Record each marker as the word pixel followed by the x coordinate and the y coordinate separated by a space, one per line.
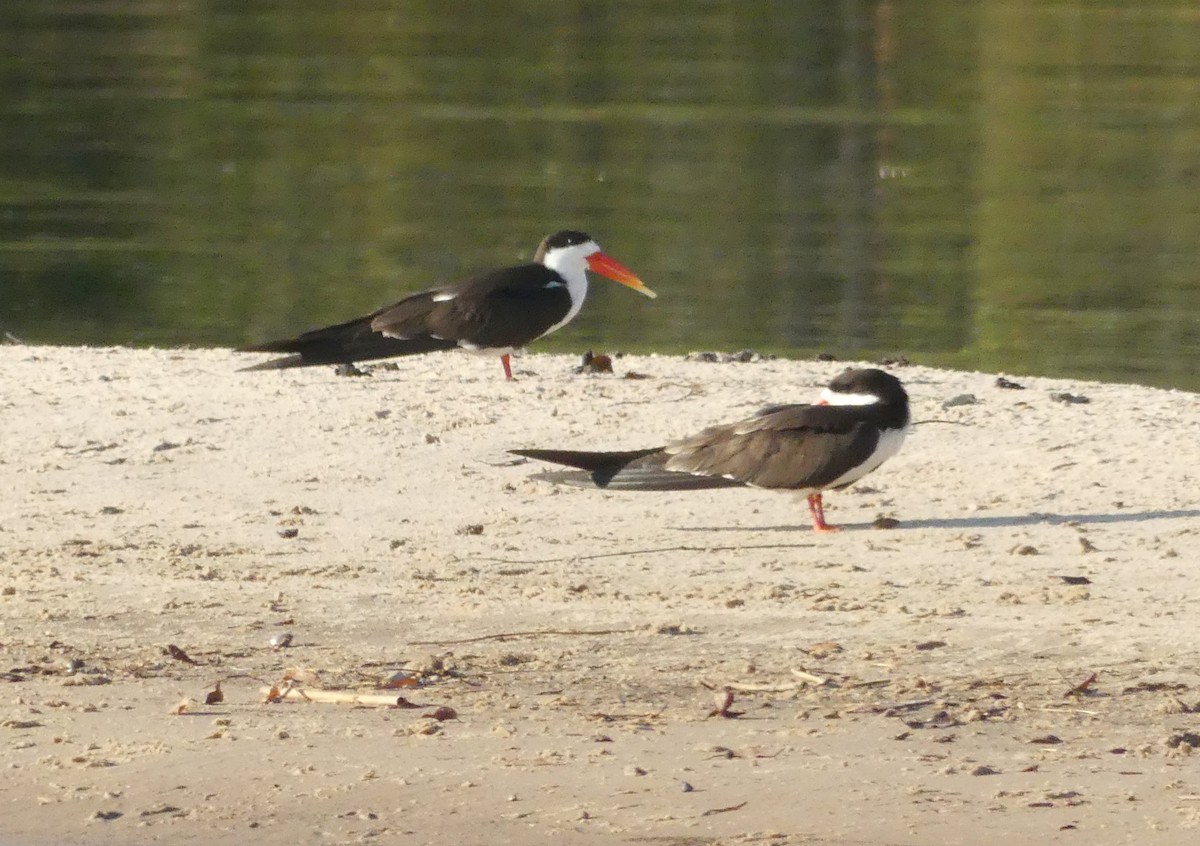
pixel 1076 580
pixel 289 533
pixel 350 369
pixel 1184 738
pixel 1008 384
pixel 593 363
pixel 471 529
pixel 1069 399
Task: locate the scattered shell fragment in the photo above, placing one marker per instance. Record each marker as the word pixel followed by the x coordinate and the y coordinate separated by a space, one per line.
pixel 960 399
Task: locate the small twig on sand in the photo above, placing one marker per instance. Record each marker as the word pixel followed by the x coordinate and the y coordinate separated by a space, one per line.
pixel 508 635
pixel 342 697
pixel 647 551
pixel 1081 688
pixel 693 391
pixel 736 807
pixel 806 676
pixel 1054 709
pixel 750 688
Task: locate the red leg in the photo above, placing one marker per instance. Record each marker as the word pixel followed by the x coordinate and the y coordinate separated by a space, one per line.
pixel 507 367
pixel 817 508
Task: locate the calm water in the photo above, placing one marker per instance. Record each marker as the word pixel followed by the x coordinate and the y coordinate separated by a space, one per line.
pixel 1010 185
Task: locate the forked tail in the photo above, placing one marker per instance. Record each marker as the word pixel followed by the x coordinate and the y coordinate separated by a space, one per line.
pixel 633 470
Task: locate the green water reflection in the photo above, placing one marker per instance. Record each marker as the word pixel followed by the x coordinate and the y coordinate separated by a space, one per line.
pixel 1009 185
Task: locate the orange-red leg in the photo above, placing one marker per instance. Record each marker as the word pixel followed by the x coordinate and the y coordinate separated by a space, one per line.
pixel 507 367
pixel 817 508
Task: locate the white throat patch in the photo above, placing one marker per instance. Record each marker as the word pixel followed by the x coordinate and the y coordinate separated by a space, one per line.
pixel 571 265
pixel 835 398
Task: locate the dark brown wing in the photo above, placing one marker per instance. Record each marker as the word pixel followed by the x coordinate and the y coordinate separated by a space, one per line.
pixel 499 309
pixel 343 343
pixel 791 446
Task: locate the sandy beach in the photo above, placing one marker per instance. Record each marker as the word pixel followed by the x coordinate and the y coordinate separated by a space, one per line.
pixel 1016 661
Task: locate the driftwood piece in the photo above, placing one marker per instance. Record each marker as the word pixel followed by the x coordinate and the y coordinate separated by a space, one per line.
pixel 811 678
pixel 339 697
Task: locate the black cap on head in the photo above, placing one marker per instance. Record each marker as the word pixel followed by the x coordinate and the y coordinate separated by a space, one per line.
pixel 560 239
pixel 871 381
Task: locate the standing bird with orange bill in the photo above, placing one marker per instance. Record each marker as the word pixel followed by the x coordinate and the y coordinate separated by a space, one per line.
pixel 496 312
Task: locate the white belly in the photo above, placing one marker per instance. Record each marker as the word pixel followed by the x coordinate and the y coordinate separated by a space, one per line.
pixel 889 445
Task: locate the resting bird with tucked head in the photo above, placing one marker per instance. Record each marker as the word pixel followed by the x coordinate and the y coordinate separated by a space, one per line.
pixel 860 422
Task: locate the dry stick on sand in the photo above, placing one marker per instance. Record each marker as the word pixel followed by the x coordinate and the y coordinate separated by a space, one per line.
pixel 811 678
pixel 507 635
pixel 749 688
pixel 1083 687
pixel 341 697
pixel 736 807
pixel 648 551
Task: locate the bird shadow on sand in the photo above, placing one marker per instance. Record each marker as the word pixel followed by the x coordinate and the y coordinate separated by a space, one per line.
pixel 998 521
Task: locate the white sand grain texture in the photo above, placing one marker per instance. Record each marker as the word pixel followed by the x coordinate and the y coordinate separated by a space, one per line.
pixel 1016 662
